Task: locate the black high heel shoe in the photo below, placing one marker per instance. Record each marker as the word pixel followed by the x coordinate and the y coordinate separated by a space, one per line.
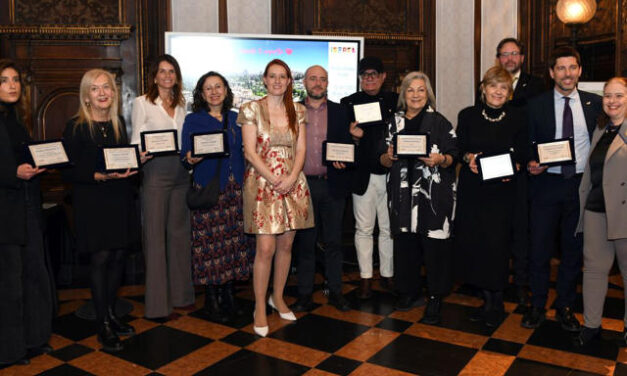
pixel 119 327
pixel 108 338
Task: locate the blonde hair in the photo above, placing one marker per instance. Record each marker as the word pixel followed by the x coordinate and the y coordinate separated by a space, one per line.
pixel 84 109
pixel 497 74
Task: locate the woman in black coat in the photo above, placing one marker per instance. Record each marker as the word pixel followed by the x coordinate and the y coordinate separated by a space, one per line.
pixel 421 198
pixel 485 210
pixel 103 202
pixel 25 285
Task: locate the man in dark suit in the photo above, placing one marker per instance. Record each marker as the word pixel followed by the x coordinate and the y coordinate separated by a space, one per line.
pixel 511 56
pixel 554 211
pixel 369 186
pixel 329 186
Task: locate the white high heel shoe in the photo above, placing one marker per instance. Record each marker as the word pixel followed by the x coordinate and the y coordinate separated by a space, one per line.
pixel 261 331
pixel 289 316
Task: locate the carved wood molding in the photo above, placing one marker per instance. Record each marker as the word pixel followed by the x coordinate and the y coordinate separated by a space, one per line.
pixel 93 32
pixel 372 36
pixel 67 12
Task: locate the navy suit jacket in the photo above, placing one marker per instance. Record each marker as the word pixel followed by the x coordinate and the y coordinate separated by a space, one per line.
pixel 541 117
pixel 338 127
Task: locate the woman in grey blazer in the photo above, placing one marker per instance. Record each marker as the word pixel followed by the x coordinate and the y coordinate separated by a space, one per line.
pixel 603 208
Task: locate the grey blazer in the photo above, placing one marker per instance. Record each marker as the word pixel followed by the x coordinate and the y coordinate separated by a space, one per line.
pixel 614 184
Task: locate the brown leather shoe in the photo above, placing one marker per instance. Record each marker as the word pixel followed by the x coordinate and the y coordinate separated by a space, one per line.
pixel 365 292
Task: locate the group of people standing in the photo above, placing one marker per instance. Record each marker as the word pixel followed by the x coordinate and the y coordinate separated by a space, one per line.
pixel 275 185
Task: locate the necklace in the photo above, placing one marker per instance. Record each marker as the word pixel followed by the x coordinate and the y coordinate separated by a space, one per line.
pixel 492 120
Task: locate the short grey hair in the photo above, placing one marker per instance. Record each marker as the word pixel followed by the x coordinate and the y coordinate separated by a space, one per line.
pixel 401 104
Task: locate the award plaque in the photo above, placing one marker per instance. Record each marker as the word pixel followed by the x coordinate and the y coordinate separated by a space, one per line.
pixel 121 158
pixel 555 153
pixel 338 152
pixel 495 167
pixel 160 142
pixel 48 154
pixel 368 113
pixel 210 144
pixel 410 145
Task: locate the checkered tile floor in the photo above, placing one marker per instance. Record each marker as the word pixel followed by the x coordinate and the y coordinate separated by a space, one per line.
pixel 371 339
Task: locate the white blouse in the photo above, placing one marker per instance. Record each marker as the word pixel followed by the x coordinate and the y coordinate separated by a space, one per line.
pixel 147 116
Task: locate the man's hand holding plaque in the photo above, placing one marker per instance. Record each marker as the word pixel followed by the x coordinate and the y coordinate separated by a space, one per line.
pixel 338 152
pixel 367 113
pixel 555 153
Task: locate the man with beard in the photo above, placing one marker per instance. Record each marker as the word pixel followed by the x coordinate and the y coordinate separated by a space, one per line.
pixel 329 186
pixel 560 113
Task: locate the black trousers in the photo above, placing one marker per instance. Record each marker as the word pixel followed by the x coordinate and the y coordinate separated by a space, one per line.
pixel 410 252
pixel 555 211
pixel 25 292
pixel 328 213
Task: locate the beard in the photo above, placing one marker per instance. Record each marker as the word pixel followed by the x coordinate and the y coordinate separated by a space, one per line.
pixel 316 96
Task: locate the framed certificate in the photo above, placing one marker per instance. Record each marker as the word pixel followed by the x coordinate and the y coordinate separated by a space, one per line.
pixel 120 158
pixel 368 113
pixel 160 142
pixel 48 154
pixel 338 152
pixel 410 145
pixel 210 144
pixel 495 167
pixel 555 153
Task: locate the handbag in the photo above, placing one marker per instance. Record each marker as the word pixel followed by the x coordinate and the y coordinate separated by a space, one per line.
pixel 206 197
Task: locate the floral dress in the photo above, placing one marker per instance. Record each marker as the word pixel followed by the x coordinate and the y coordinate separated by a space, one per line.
pixel 265 210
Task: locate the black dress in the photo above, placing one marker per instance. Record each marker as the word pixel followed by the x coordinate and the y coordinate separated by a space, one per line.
pixel 105 215
pixel 485 210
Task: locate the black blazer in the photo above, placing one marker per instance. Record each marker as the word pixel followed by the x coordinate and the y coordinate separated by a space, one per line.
pixel 541 115
pixel 338 130
pixel 528 87
pixel 12 192
pixel 366 160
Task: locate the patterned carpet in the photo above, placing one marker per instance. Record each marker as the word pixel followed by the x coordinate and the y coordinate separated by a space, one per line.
pixel 371 339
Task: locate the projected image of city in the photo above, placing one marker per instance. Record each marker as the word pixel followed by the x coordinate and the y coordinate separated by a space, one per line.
pixel 242 62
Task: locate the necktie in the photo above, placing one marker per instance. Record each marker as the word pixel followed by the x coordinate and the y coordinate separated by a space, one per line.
pixel 568 171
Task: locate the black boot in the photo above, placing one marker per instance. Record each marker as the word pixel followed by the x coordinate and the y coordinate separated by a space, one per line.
pixel 480 313
pixel 119 327
pixel 212 305
pixel 107 337
pixel 495 314
pixel 230 304
pixel 432 312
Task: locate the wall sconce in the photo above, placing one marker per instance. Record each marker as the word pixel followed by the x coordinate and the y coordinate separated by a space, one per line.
pixel 574 13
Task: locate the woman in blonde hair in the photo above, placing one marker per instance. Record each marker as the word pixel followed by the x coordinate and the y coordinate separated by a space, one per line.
pixel 102 201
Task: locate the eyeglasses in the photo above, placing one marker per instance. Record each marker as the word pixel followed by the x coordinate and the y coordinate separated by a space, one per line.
pixel 370 75
pixel 506 54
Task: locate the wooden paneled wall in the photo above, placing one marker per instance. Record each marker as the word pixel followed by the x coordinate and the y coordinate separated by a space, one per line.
pixel 55 42
pixel 602 42
pixel 400 32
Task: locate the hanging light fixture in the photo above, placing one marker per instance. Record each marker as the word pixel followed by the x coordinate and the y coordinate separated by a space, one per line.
pixel 575 13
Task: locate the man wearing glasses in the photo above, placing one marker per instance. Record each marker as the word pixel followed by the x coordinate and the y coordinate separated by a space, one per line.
pixel 369 185
pixel 510 54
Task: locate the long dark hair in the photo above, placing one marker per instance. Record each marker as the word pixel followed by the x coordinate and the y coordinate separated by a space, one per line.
pixel 177 89
pixel 200 104
pixel 288 101
pixel 5 64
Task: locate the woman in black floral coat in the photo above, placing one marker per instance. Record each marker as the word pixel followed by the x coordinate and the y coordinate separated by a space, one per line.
pixel 421 198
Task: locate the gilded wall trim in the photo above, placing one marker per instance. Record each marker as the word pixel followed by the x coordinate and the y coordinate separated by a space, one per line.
pixel 372 36
pixel 67 32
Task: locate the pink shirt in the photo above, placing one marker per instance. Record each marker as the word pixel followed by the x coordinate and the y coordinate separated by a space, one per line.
pixel 316 134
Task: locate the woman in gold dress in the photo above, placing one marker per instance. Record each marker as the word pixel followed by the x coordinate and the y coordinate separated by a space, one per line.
pixel 276 195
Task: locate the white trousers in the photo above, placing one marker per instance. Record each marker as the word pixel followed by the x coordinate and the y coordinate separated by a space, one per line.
pixel 371 206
